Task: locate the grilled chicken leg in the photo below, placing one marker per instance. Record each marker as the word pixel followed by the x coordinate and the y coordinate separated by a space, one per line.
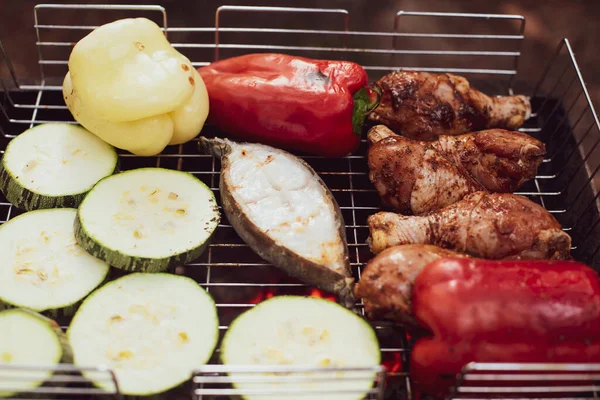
pixel 487 225
pixel 417 177
pixel 411 176
pixel 423 105
pixel 499 160
pixel 386 282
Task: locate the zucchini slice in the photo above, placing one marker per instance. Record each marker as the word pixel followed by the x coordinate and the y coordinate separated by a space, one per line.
pixel 41 265
pixel 27 338
pixel 54 166
pixel 147 219
pixel 152 330
pixel 302 331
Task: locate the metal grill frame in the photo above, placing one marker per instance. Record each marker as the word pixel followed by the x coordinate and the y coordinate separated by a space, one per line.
pixel 66 381
pixel 517 381
pixel 351 194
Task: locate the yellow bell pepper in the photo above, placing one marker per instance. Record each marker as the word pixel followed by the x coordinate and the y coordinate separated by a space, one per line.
pixel 131 88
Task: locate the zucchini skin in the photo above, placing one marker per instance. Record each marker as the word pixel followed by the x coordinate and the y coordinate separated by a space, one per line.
pixel 28 200
pixel 129 263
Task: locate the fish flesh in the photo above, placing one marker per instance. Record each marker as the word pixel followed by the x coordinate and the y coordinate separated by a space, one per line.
pixel 283 210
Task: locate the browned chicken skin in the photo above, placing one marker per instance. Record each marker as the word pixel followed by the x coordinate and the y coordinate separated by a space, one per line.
pixel 423 106
pixel 411 176
pixel 487 225
pixel 386 282
pixel 418 177
pixel 500 160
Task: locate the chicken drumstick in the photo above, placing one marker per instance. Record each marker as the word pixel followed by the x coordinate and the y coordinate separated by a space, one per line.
pixel 386 282
pixel 487 225
pixel 423 105
pixel 417 177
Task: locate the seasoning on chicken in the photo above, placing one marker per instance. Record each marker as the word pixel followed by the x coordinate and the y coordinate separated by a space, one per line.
pixel 423 106
pixel 412 176
pixel 500 160
pixel 487 225
pixel 417 177
pixel 386 282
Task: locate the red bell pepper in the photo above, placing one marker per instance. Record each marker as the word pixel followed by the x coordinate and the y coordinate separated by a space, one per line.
pixel 503 311
pixel 296 103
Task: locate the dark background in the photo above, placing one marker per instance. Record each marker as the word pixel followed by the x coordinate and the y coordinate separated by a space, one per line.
pixel 547 23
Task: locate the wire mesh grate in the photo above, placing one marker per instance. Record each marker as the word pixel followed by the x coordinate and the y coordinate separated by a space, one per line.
pixel 528 381
pixel 65 381
pixel 234 275
pixel 218 381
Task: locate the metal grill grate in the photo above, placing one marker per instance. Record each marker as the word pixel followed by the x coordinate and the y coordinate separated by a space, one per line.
pixel 229 270
pixel 66 381
pixel 528 381
pixel 213 381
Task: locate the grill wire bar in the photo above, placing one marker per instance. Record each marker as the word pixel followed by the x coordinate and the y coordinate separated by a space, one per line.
pixel 65 382
pixel 214 381
pixel 563 117
pixel 528 381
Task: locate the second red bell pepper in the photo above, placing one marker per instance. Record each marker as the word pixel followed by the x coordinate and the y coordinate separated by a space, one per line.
pixel 503 311
pixel 296 103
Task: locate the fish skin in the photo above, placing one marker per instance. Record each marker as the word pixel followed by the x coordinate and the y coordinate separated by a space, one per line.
pixel 337 279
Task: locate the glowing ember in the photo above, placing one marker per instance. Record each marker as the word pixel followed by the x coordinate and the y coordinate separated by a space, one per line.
pixel 266 293
pixel 314 292
pixel 393 363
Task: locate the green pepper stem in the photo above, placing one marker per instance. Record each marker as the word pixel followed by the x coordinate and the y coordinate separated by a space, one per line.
pixel 366 99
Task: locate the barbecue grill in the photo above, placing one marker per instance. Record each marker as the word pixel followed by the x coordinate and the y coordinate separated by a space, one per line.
pixel 566 185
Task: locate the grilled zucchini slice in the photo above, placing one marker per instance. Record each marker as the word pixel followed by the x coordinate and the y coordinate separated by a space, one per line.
pixel 54 166
pixel 42 267
pixel 28 338
pixel 306 332
pixel 152 330
pixel 147 219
